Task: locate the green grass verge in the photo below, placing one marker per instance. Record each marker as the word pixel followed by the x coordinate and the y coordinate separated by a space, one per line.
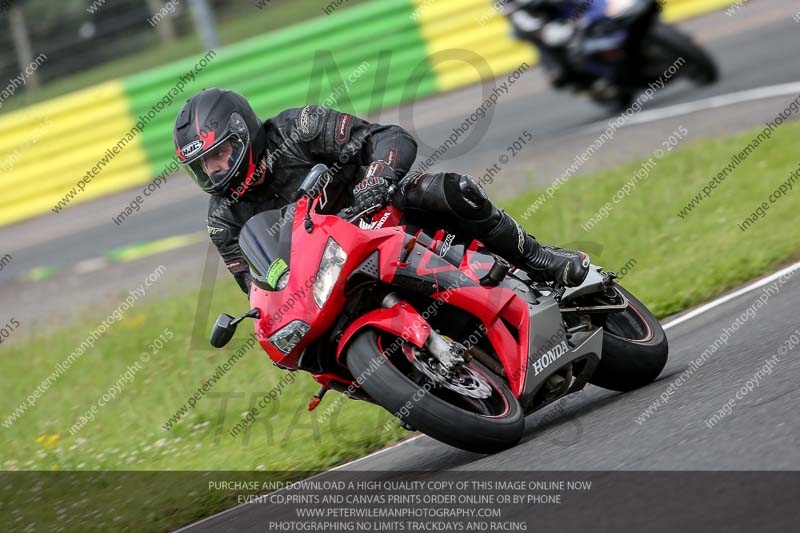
pixel 127 432
pixel 682 262
pixel 678 263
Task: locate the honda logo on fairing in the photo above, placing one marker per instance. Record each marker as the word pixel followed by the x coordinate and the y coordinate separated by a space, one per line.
pixel 549 358
pixel 374 225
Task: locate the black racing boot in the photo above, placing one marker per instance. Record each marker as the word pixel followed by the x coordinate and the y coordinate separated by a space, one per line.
pixel 542 263
pixel 548 263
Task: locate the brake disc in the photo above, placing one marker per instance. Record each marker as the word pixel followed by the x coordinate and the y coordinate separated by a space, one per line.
pixel 461 380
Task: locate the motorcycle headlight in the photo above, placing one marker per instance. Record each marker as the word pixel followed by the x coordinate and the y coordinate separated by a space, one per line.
pixel 283 281
pixel 333 258
pixel 289 336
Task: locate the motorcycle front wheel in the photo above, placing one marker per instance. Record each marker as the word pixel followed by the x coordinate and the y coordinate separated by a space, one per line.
pixel 478 424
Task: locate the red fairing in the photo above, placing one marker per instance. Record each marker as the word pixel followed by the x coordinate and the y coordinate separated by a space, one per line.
pixel 296 301
pixel 490 305
pixel 401 320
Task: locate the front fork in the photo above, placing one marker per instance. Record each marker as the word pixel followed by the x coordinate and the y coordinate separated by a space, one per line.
pixel 450 354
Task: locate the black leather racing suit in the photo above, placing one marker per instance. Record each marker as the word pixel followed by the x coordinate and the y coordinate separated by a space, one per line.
pixel 298 139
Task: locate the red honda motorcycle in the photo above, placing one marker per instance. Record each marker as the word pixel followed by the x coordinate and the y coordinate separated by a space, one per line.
pixel 444 335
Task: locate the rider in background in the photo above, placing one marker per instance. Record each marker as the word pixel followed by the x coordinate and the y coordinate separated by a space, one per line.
pixel 552 26
pixel 249 166
pixel 549 24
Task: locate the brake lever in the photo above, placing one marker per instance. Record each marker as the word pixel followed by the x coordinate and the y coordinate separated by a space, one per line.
pixel 345 213
pixel 365 212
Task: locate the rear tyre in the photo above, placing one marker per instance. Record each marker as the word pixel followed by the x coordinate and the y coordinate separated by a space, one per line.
pixel 618 104
pixel 701 67
pixel 635 348
pixel 500 426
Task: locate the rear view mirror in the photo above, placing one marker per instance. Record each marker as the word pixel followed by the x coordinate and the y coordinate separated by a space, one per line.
pixel 311 180
pixel 225 327
pixel 223 330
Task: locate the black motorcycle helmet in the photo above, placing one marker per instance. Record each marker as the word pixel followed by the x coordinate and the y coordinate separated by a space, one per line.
pixel 219 140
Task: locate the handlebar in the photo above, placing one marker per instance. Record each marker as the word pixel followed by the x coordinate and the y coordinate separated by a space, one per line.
pixel 349 214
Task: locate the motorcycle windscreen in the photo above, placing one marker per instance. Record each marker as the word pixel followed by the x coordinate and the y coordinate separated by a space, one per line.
pixel 266 243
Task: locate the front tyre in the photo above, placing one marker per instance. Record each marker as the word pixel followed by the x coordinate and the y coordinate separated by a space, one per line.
pixel 483 426
pixel 635 348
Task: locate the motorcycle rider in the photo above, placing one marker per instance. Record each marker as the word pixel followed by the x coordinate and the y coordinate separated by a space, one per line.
pixel 551 25
pixel 249 166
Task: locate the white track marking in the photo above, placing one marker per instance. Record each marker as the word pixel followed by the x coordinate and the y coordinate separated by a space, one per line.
pixel 728 297
pixel 713 102
pixel 374 454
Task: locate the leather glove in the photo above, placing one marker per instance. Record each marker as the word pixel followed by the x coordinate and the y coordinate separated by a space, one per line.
pixel 374 190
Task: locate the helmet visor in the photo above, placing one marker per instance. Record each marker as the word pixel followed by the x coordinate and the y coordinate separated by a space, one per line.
pixel 214 169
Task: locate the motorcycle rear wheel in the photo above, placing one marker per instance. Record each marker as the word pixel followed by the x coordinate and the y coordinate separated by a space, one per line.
pixel 480 426
pixel 635 348
pixel 700 66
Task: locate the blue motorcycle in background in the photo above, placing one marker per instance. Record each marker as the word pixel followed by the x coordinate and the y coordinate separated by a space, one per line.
pixel 608 49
